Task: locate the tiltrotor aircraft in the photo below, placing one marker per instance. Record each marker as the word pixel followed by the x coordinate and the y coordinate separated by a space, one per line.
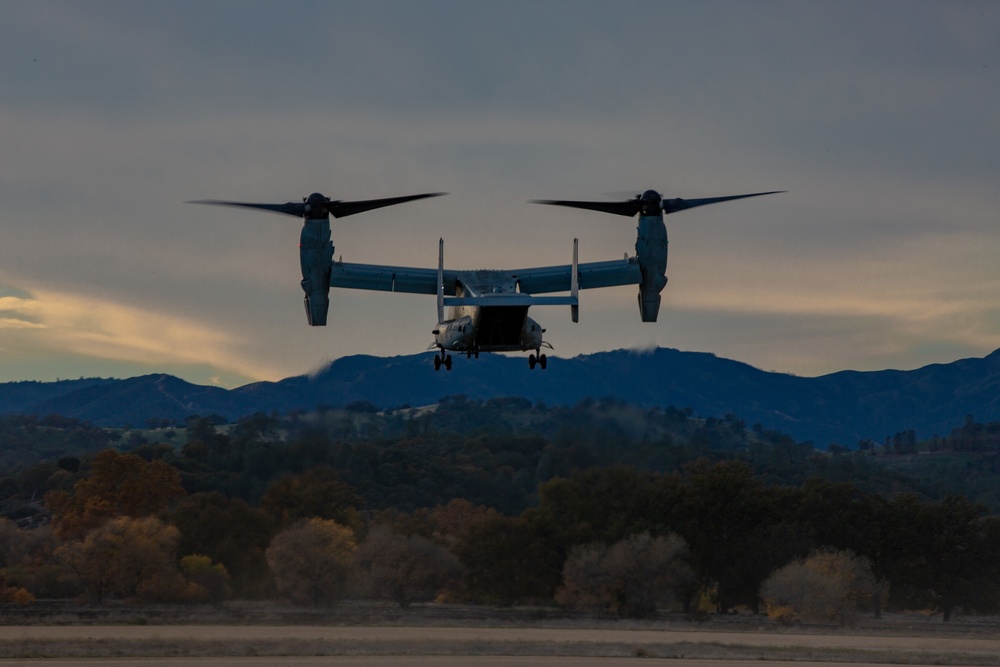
pixel 488 309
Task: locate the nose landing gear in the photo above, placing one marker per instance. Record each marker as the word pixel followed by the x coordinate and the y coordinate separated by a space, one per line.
pixel 442 360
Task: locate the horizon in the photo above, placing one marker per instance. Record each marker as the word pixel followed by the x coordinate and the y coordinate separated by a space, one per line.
pixel 638 351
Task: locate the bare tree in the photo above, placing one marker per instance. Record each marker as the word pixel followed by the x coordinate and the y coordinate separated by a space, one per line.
pixel 311 561
pixel 632 577
pixel 404 568
pixel 127 557
pixel 827 586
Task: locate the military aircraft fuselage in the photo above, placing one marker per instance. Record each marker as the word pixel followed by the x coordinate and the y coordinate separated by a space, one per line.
pixel 489 329
pixel 500 325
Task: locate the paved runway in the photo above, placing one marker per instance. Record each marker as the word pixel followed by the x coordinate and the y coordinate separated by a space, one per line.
pixel 455 634
pixel 349 646
pixel 429 661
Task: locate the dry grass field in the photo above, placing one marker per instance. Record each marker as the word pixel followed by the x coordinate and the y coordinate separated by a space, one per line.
pixel 372 635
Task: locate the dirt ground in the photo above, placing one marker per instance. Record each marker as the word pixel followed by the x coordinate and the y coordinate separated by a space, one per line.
pixel 373 636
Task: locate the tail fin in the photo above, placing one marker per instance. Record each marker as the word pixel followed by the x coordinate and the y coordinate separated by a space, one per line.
pixel 440 285
pixel 574 282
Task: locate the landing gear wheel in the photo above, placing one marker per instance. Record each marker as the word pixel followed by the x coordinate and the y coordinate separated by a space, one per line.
pixel 437 362
pixel 542 360
pixel 447 363
pixel 532 361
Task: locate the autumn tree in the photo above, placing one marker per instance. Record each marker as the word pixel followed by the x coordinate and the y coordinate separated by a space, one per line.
pixel 210 579
pixel 118 485
pixel 449 520
pixel 14 594
pixel 310 562
pixel 404 568
pixel 230 533
pixel 827 586
pixel 128 558
pixel 26 560
pixel 632 577
pixel 318 492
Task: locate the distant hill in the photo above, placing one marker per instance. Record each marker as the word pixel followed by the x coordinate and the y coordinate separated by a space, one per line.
pixel 842 407
pixel 23 396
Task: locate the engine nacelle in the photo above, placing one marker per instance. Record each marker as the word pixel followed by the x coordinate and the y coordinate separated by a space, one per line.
pixel 651 251
pixel 649 305
pixel 316 260
pixel 317 309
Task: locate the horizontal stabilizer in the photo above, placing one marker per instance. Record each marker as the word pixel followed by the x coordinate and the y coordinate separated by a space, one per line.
pixel 511 300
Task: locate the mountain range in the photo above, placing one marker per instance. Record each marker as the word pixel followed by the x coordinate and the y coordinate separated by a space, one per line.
pixel 841 408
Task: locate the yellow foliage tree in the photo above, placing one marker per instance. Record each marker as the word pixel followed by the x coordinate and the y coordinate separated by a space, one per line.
pixel 14 594
pixel 310 562
pixel 210 579
pixel 118 485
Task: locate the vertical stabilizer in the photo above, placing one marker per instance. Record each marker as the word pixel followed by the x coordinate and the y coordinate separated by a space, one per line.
pixel 440 285
pixel 574 285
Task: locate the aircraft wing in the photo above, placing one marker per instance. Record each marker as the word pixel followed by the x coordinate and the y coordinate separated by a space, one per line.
pixel 537 280
pixel 544 279
pixel 387 278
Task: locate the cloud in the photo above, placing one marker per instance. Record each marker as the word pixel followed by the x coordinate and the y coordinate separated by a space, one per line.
pixel 18 313
pixel 65 323
pixel 14 323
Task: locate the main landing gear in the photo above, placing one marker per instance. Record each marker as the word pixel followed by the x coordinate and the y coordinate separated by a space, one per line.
pixel 540 360
pixel 442 360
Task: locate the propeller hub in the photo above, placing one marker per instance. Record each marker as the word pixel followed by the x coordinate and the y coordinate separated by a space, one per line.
pixel 315 205
pixel 650 203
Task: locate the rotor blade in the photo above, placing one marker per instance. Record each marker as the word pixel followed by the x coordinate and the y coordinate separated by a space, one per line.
pixel 342 209
pixel 625 208
pixel 674 205
pixel 291 208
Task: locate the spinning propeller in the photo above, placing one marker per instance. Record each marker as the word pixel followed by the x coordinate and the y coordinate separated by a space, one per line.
pixel 317 205
pixel 315 247
pixel 648 203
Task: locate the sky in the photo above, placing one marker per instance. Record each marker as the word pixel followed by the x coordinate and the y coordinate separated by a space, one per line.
pixel 879 118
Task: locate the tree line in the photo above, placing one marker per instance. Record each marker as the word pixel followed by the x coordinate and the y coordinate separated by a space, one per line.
pixel 615 540
pixel 505 502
